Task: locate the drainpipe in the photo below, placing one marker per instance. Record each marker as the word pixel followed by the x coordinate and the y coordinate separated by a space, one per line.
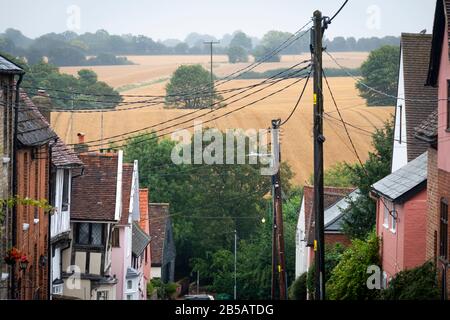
pixel 14 178
pixel 49 236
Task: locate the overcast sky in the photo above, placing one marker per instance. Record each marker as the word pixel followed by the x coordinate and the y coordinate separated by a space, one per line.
pixel 176 18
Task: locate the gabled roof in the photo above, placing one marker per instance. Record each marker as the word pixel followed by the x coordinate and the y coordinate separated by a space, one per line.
pixel 334 217
pixel 420 100
pixel 94 193
pixel 441 21
pixel 428 130
pixel 7 66
pixel 331 196
pixel 404 182
pixel 33 130
pixel 158 219
pixel 139 239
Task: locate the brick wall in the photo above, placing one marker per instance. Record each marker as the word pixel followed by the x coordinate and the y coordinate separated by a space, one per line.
pixel 432 206
pixel 444 192
pixel 6 139
pixel 33 179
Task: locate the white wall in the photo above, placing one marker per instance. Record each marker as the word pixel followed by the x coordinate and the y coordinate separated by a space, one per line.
pixel 301 252
pixel 400 155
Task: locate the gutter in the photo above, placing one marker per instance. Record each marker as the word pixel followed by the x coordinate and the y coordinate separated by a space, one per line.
pixel 14 177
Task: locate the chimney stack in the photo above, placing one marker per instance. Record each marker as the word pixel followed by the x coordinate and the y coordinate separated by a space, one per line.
pixel 81 147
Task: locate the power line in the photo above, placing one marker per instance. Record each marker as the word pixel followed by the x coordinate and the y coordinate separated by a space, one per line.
pixel 197 110
pixel 134 142
pixel 298 101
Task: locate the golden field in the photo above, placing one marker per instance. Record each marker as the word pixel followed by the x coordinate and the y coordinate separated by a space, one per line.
pixel 297 142
pixel 153 68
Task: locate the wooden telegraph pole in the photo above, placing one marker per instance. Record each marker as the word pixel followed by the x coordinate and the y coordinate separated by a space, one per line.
pixel 319 139
pixel 278 215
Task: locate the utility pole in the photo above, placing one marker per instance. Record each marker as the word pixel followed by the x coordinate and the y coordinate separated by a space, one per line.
pixel 211 43
pixel 235 264
pixel 319 139
pixel 274 242
pixel 278 212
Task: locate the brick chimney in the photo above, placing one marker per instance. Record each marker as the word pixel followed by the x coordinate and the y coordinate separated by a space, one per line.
pixel 81 147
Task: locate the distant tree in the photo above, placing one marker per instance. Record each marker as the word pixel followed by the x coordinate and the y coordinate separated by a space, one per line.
pixel 380 71
pixel 181 48
pixel 237 54
pixel 265 54
pixel 360 215
pixel 240 39
pixel 188 87
pixel 66 56
pixel 338 175
pixel 348 280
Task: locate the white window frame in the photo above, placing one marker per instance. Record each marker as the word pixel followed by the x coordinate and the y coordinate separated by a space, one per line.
pixel 386 213
pixel 394 220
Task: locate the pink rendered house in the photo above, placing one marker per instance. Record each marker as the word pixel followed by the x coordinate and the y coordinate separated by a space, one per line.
pixel 401 217
pixel 129 241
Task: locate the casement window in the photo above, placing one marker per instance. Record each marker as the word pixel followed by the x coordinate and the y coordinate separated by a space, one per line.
pixel 115 238
pixel 129 284
pixel 90 234
pixel 102 295
pixel 393 220
pixel 65 193
pixel 129 297
pixel 443 231
pixel 387 213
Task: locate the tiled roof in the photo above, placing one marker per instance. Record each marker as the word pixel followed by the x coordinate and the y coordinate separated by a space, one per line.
pixel 428 130
pixel 127 179
pixel 398 184
pixel 139 239
pixel 334 217
pixel 94 193
pixel 32 128
pixel 7 66
pixel 62 156
pixel 331 196
pixel 158 218
pixel 419 102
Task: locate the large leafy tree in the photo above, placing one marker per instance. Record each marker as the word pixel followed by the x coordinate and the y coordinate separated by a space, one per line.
pixel 360 216
pixel 380 71
pixel 189 87
pixel 208 201
pixel 348 280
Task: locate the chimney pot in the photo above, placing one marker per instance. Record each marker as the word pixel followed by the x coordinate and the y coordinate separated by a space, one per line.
pixel 80 137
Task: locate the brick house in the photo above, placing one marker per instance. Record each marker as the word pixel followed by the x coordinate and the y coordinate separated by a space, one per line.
pixel 401 217
pixel 334 203
pixel 436 132
pixel 402 195
pixel 163 246
pixel 8 75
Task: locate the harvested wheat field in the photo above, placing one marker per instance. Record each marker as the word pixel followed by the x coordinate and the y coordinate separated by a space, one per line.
pixel 297 144
pixel 151 69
